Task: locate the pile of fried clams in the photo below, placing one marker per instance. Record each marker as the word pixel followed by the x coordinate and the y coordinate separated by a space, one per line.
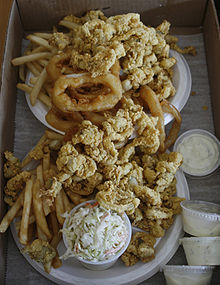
pixel 123 174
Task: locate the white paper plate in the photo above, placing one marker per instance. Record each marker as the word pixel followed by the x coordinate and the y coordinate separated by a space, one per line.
pixel 72 272
pixel 181 80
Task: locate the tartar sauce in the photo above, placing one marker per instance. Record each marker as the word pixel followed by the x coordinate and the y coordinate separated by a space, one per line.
pixel 201 218
pixel 180 278
pixel 200 154
pixel 205 208
pixel 202 250
pixel 94 233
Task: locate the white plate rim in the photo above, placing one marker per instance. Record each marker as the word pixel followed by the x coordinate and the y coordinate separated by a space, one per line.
pixel 144 270
pixel 178 100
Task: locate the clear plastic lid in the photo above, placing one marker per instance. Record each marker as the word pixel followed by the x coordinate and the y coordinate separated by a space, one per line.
pixel 200 150
pixel 205 210
pixel 202 240
pixel 187 268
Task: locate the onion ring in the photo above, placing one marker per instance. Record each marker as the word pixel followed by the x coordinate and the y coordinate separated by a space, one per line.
pixel 98 103
pixel 96 118
pixel 59 123
pixel 115 69
pixel 59 64
pixel 173 133
pixel 150 98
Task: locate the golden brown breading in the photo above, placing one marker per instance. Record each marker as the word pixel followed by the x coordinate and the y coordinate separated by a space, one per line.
pixel 141 247
pixel 59 40
pixel 71 162
pixel 15 185
pixel 118 198
pixel 174 204
pixel 12 165
pixel 41 251
pixel 119 127
pixel 148 195
pixel 166 169
pixel 97 42
pixel 88 134
pixel 83 186
pixel 105 153
pixel 158 213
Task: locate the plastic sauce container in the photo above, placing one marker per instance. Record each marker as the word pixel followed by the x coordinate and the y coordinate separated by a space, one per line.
pixel 200 150
pixel 187 275
pixel 202 250
pixel 201 218
pixel 88 224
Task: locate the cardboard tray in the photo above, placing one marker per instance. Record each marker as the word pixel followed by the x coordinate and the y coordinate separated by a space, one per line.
pixel 186 16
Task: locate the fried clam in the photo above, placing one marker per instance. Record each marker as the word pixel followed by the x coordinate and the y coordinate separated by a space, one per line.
pixel 119 198
pixel 141 248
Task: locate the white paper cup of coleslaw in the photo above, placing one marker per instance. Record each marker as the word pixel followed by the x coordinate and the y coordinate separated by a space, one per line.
pixel 104 262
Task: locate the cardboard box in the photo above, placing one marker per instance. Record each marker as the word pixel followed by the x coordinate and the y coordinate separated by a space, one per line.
pixel 186 16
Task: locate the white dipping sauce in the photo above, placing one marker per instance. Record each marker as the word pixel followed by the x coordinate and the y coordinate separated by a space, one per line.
pixel 201 218
pixel 200 154
pixel 187 279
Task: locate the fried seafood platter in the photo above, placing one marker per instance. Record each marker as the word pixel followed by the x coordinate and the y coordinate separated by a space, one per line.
pixel 102 79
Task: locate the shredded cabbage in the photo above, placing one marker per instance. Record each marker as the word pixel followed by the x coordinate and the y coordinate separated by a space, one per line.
pixel 94 233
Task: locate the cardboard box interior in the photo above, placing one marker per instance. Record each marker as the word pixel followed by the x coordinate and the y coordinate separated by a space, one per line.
pixel 185 16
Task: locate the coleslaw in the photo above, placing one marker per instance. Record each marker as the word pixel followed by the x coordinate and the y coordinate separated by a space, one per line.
pixel 94 233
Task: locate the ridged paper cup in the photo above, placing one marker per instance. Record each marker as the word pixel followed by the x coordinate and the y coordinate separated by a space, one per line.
pixel 202 250
pixel 201 218
pixel 104 264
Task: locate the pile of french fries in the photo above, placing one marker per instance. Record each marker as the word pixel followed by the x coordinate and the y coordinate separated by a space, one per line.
pixel 35 60
pixel 34 216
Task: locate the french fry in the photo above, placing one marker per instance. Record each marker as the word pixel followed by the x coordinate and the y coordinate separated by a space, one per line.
pixel 19 213
pixel 67 205
pixel 28 157
pixel 38 210
pixel 38 49
pixel 59 206
pixel 31 230
pixel 56 262
pixel 10 215
pixel 40 234
pixel 25 161
pixel 33 80
pixel 22 72
pixel 43 62
pixel 26 212
pixel 32 69
pixel 40 174
pixel 41 96
pixel 40 177
pixel 75 198
pixel 40 41
pixel 32 219
pixel 54 223
pixel 68 24
pixel 45 36
pixel 37 66
pixel 37 87
pixel 53 135
pixel 30 57
pixel 46 164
